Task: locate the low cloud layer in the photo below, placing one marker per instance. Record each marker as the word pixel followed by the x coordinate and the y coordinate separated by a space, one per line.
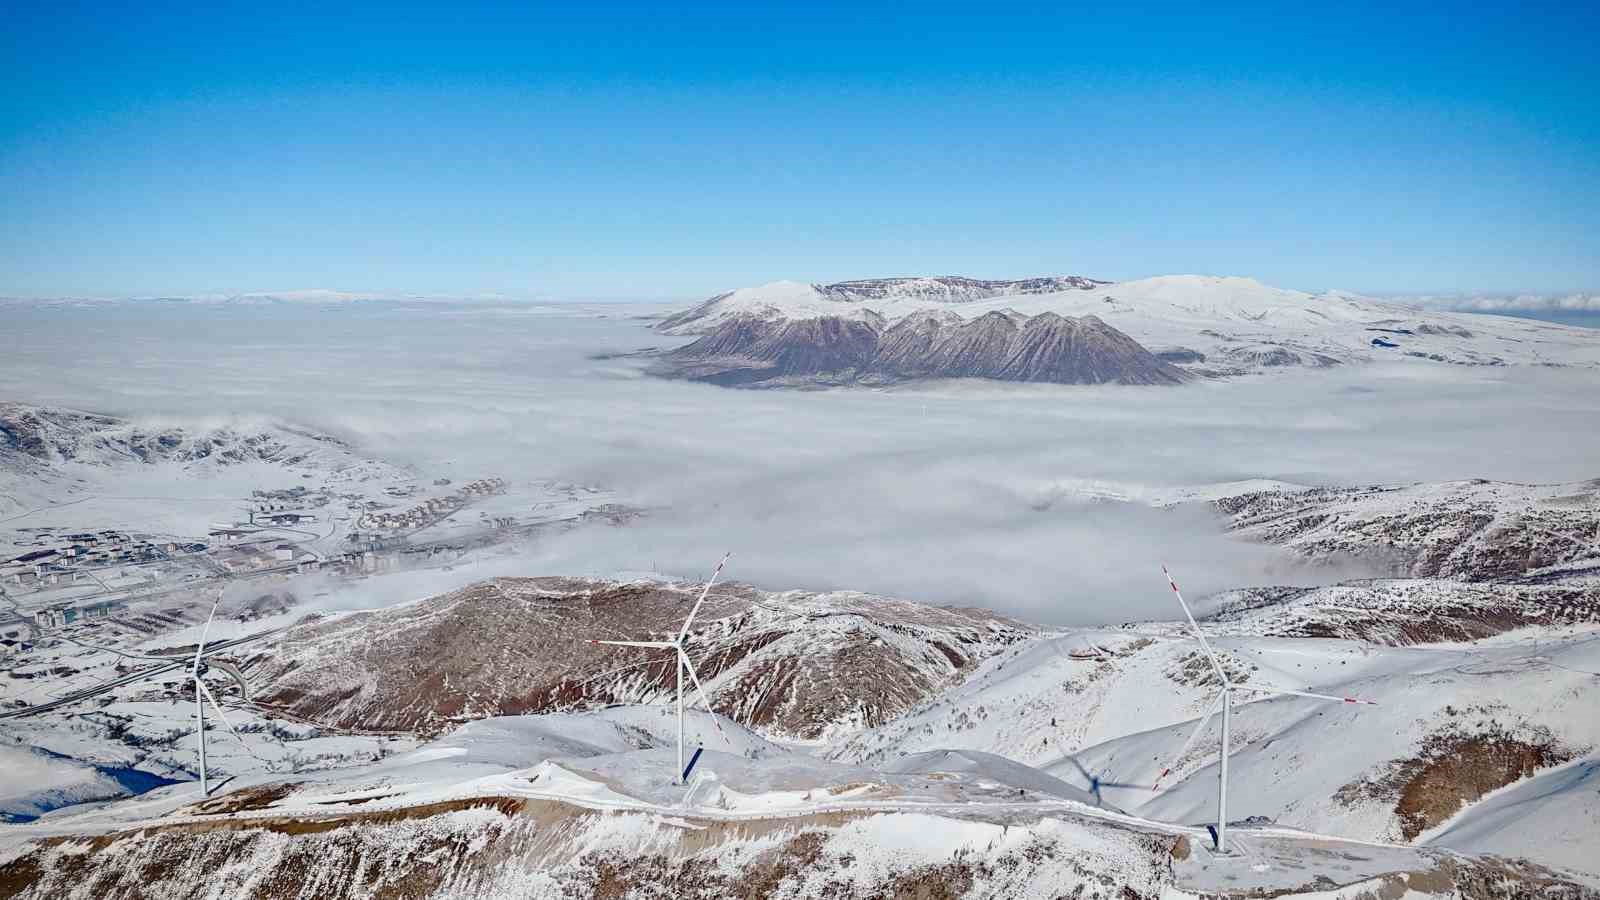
pixel 1032 500
pixel 1572 303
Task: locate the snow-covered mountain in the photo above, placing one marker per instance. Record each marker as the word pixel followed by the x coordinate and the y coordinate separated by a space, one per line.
pixel 1208 325
pixel 1004 346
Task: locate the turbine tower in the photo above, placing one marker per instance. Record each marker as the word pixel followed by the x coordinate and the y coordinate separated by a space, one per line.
pixel 202 694
pixel 1224 699
pixel 683 663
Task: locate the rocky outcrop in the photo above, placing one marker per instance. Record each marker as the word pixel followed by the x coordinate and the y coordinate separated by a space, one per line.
pixel 1004 346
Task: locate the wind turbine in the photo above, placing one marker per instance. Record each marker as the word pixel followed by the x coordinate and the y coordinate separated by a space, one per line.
pixel 683 663
pixel 1224 699
pixel 202 693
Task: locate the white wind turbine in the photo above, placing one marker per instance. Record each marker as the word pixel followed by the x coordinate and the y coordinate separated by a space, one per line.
pixel 202 693
pixel 683 662
pixel 1224 699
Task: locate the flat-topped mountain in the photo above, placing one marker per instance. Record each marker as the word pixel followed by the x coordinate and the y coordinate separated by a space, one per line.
pixel 1004 346
pixel 1205 325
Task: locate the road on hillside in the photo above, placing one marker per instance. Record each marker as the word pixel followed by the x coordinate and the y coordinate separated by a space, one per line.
pixel 179 663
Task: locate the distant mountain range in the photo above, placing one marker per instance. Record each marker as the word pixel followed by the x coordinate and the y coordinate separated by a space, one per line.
pixel 1078 330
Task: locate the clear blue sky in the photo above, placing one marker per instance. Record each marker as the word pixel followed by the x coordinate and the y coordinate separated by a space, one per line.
pixel 667 150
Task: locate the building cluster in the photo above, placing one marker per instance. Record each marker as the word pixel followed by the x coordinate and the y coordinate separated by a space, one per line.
pixel 430 511
pixel 75 557
pixel 62 615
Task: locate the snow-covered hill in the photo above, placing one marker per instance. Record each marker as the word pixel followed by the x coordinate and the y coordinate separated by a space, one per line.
pixel 1476 530
pixel 77 471
pixel 34 439
pixel 792 665
pixel 1106 711
pixel 1209 325
pixel 1452 724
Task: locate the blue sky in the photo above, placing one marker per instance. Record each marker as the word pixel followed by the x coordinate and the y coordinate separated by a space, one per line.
pixel 664 151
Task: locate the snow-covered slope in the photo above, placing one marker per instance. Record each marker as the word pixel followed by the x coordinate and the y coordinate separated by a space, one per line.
pixel 1210 325
pixel 1477 530
pixel 1517 820
pixel 33 781
pixel 84 471
pixel 1452 724
pixel 490 812
pixel 1106 711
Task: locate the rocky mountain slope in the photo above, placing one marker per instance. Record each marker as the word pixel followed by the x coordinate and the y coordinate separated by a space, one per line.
pixel 791 665
pixel 1003 346
pixel 1207 325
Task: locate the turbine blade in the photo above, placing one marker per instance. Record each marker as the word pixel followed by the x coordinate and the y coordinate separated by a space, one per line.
pixel 1262 690
pixel 704 591
pixel 1178 757
pixel 201 647
pixel 658 645
pixel 1196 628
pixel 218 707
pixel 701 691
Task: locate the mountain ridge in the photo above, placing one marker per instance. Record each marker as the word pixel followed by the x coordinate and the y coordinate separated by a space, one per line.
pixel 1206 325
pixel 1001 346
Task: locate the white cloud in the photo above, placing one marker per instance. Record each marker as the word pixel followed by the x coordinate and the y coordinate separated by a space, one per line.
pixel 952 494
pixel 1507 302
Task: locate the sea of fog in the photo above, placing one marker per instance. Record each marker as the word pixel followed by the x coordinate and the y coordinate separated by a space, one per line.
pixel 1007 496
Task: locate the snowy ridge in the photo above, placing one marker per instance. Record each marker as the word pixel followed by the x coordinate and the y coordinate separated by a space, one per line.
pixel 798 299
